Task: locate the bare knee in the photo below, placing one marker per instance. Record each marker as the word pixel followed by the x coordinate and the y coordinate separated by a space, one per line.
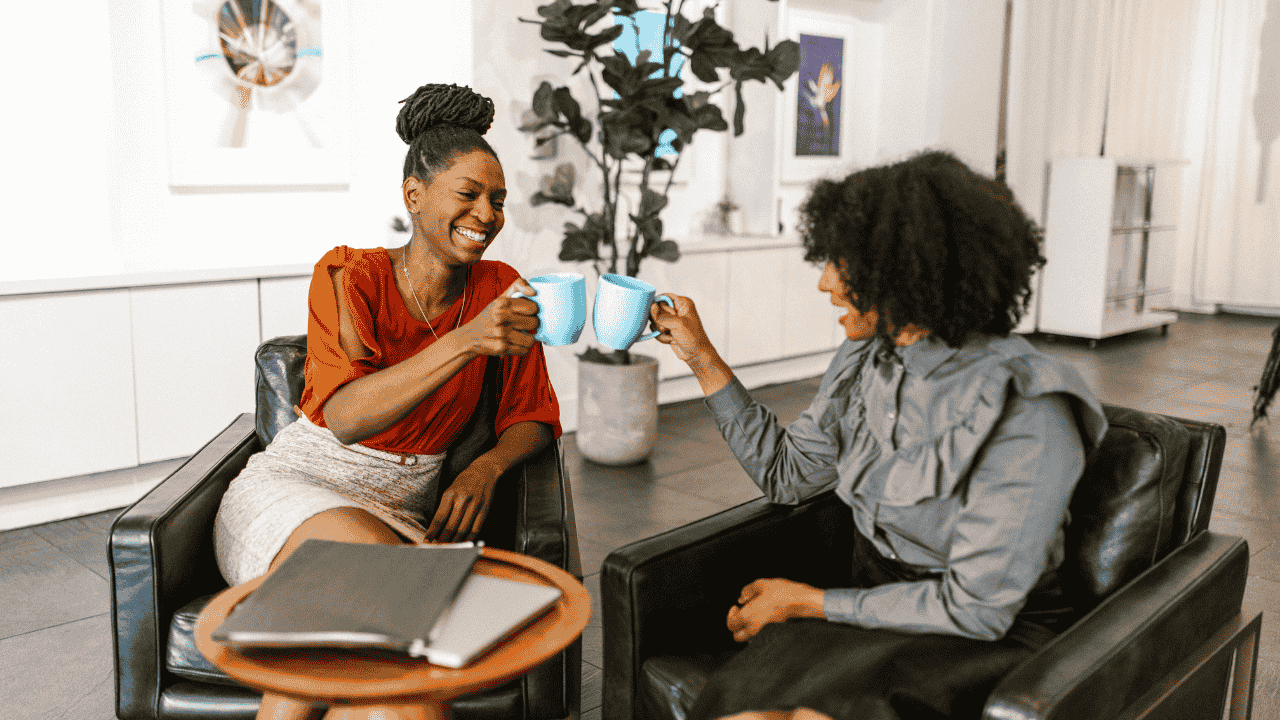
pixel 275 707
pixel 347 524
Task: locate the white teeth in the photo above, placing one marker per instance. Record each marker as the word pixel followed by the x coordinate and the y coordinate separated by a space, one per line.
pixel 472 235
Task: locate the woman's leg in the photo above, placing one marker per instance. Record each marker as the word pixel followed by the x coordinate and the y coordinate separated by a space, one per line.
pixel 347 524
pixel 797 714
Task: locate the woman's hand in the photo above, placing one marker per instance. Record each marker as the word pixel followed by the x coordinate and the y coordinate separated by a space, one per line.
pixel 772 600
pixel 681 328
pixel 464 506
pixel 506 326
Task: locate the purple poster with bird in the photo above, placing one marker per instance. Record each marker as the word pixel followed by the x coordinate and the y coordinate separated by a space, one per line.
pixel 818 101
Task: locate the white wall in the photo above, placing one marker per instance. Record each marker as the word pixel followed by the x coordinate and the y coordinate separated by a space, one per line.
pixel 91 168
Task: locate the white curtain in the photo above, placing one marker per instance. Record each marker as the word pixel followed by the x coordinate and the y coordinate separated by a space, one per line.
pixel 1059 57
pixel 1234 253
pixel 1085 74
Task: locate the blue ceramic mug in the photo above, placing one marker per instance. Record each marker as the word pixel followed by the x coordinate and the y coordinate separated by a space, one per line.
pixel 562 307
pixel 622 309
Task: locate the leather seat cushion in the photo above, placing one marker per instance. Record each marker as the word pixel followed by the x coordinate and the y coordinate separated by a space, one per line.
pixel 669 684
pixel 184 659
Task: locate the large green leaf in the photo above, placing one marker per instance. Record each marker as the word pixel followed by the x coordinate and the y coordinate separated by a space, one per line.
pixel 566 105
pixel 651 202
pixel 784 61
pixel 709 117
pixel 542 99
pixel 665 250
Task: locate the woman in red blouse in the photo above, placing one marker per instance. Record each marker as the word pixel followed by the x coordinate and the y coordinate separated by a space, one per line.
pixel 397 342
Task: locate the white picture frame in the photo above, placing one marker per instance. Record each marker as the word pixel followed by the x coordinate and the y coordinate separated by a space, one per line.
pixel 859 97
pixel 294 133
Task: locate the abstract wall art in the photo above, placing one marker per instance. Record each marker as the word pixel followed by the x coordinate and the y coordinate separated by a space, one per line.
pixel 253 89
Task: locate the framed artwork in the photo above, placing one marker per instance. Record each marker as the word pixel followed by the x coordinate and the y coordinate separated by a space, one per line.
pixel 818 99
pixel 829 105
pixel 253 92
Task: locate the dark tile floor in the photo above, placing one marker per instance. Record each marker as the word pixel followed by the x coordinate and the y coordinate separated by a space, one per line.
pixel 55 646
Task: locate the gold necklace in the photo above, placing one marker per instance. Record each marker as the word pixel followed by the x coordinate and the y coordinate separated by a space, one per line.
pixel 427 320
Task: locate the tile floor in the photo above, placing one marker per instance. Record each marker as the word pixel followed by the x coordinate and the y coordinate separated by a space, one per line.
pixel 55 644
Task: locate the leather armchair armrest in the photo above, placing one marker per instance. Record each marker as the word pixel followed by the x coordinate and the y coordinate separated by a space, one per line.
pixel 544 528
pixel 668 594
pixel 1133 639
pixel 160 551
pixel 544 515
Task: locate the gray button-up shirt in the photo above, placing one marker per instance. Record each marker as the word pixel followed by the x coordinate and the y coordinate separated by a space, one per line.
pixel 961 461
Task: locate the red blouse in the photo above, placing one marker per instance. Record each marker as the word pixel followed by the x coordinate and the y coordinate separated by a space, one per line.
pixel 393 335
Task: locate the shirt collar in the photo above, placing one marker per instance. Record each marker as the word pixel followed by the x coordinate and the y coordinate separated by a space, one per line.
pixel 925 355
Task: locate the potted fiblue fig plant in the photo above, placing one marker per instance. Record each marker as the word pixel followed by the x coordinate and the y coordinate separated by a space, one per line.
pixel 659 96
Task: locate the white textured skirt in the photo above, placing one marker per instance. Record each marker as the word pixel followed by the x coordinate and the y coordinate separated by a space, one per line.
pixel 305 471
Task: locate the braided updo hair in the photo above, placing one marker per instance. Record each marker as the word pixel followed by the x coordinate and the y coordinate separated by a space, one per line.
pixel 439 122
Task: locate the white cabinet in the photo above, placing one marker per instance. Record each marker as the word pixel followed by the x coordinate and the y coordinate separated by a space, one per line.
pixel 1109 238
pixel 193 360
pixel 701 277
pixel 757 311
pixel 66 386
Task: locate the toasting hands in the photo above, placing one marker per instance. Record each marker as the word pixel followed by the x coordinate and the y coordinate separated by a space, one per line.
pixel 680 328
pixel 506 326
pixel 772 600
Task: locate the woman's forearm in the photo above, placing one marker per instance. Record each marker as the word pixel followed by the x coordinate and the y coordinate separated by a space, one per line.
pixel 517 444
pixel 368 405
pixel 712 371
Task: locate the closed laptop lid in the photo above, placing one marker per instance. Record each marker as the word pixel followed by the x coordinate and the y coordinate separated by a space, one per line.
pixel 486 611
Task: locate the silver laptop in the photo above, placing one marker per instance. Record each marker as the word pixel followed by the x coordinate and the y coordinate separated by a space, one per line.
pixel 486 611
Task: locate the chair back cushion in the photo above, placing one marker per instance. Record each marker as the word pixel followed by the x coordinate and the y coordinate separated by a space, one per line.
pixel 279 373
pixel 1123 511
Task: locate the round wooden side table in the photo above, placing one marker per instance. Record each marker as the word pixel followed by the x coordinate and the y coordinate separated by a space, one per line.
pixel 386 685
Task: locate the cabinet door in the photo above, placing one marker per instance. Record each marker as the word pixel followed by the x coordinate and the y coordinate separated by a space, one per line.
pixel 757 293
pixel 703 278
pixel 810 316
pixel 66 386
pixel 193 349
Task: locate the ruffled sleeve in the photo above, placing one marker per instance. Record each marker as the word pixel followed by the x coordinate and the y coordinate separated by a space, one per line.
pixel 328 367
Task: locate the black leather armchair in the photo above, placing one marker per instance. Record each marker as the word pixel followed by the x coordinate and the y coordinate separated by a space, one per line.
pixel 163 570
pixel 1163 630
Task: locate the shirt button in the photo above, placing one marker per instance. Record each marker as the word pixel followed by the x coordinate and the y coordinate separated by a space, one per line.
pixel 891 414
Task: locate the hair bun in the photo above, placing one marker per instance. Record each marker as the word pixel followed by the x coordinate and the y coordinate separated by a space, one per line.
pixel 439 104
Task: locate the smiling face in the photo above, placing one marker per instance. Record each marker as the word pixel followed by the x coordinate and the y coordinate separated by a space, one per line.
pixel 460 212
pixel 857 326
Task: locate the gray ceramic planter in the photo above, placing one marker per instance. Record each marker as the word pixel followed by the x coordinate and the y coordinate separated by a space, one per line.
pixel 618 410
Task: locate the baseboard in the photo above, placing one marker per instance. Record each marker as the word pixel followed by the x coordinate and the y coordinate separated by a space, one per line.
pixel 37 503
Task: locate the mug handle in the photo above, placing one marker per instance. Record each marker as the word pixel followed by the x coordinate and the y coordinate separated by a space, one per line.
pixel 669 303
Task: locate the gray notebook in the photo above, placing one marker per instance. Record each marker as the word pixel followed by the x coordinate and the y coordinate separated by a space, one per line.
pixel 487 610
pixel 339 594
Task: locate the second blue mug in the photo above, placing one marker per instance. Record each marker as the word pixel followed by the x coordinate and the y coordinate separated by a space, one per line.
pixel 621 310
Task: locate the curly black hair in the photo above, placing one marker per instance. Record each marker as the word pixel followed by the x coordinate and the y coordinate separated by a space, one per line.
pixel 440 121
pixel 926 242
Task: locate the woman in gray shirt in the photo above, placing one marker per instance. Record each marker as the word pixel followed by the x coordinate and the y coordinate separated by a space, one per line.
pixel 956 445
